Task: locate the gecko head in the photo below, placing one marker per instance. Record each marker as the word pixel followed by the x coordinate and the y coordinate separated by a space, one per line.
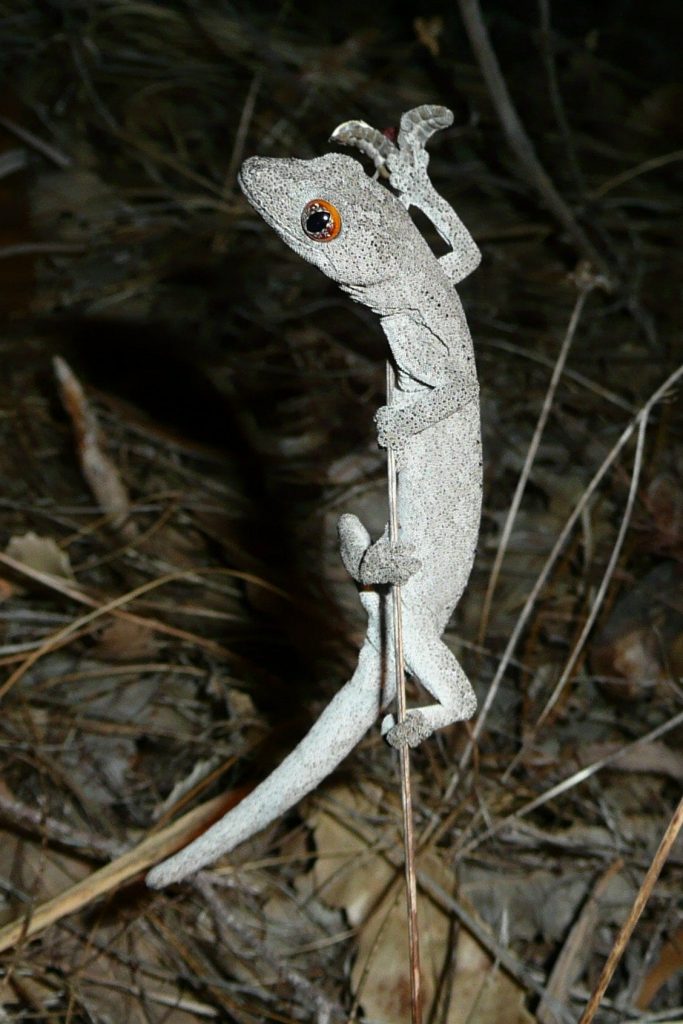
pixel 330 212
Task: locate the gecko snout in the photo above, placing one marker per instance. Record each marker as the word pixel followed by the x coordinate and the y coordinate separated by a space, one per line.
pixel 249 173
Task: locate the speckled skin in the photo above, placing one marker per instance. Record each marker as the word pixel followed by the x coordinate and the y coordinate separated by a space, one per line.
pixel 381 260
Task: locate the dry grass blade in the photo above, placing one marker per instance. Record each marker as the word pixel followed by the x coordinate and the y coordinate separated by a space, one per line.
pixel 585 287
pixel 622 940
pixel 68 632
pixel 122 870
pixel 571 782
pixel 607 576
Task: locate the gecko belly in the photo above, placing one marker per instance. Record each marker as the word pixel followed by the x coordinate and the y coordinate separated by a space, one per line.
pixel 442 522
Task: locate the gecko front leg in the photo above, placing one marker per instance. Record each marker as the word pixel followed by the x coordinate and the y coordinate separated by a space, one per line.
pixel 406 165
pixel 395 424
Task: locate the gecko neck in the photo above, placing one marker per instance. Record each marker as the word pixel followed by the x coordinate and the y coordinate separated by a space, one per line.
pixel 395 294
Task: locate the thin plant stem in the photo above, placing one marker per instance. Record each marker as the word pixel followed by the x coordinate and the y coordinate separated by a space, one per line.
pixel 597 602
pixel 404 752
pixel 622 940
pixel 565 785
pixel 607 577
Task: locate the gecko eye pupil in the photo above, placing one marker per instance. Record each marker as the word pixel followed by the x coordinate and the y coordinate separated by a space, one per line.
pixel 316 223
pixel 321 220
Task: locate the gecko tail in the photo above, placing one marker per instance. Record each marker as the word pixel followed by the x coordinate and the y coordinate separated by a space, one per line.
pixel 344 721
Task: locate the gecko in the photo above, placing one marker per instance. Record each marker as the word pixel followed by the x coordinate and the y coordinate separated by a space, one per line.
pixel 359 232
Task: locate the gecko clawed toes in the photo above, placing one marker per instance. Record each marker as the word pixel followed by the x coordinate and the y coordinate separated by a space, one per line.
pixel 387 562
pixel 409 733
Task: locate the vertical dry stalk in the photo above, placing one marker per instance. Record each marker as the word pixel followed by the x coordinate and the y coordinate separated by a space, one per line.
pixel 406 793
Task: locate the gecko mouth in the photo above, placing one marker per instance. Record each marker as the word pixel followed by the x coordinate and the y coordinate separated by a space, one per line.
pixel 244 180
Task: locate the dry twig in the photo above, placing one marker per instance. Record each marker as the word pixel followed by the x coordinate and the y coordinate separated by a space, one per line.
pixel 643 895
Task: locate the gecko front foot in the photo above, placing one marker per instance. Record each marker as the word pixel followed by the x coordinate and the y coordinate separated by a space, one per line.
pixel 408 174
pixel 384 562
pixel 405 162
pixel 392 429
pixel 409 733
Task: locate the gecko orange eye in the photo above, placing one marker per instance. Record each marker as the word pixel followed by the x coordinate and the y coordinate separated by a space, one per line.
pixel 321 220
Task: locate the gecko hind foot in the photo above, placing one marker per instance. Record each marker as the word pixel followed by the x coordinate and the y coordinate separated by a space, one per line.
pixel 409 733
pixel 384 562
pixel 373 564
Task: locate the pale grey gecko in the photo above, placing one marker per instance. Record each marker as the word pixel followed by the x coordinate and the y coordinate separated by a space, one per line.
pixel 359 233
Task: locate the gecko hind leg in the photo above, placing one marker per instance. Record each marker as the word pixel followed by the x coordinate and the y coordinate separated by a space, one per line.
pixel 430 660
pixel 373 564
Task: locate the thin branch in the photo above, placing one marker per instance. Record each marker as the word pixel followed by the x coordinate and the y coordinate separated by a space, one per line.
pixel 548 55
pixel 641 899
pixel 51 830
pixel 227 922
pixel 634 172
pixel 46 149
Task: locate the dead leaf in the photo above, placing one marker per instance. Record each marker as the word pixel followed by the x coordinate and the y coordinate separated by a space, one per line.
pixel 668 963
pixel 482 993
pixel 640 642
pixel 101 474
pixel 575 952
pixel 428 32
pixel 40 553
pixel 122 640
